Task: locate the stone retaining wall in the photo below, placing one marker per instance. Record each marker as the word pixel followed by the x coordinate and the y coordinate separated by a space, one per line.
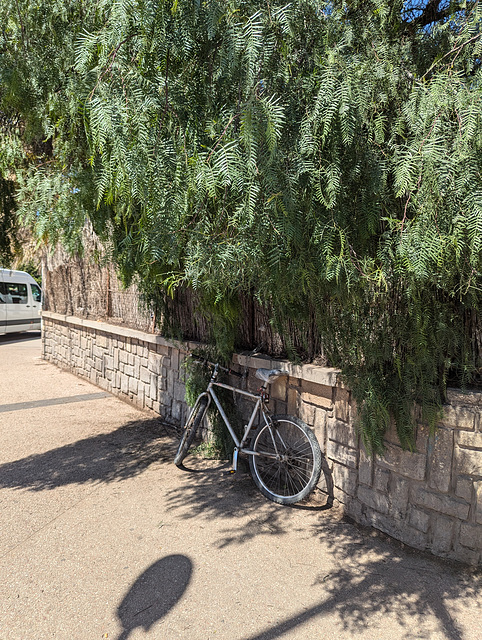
pixel 430 499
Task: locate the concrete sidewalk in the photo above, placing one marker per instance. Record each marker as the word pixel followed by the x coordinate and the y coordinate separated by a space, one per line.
pixel 103 537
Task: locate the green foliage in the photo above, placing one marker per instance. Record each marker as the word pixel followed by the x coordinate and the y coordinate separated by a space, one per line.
pixel 220 443
pixel 323 157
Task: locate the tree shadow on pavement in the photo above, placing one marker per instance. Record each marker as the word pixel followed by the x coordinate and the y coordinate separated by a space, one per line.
pixel 107 457
pixel 154 594
pixel 376 580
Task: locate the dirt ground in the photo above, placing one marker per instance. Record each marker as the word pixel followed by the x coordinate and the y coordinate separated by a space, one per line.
pixel 103 537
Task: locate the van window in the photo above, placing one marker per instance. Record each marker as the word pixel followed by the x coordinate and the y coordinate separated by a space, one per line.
pixel 14 293
pixel 36 293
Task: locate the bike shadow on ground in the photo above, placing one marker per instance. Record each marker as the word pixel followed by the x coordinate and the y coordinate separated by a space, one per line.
pixel 209 489
pixel 376 584
pixel 106 457
pixel 155 592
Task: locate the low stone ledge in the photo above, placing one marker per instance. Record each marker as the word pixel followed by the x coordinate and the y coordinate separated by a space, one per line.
pixel 113 330
pixel 429 499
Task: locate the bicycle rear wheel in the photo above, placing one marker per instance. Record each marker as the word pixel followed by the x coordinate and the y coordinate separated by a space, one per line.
pixel 287 464
pixel 192 425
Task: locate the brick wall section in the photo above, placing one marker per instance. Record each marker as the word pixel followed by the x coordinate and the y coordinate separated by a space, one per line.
pixel 430 499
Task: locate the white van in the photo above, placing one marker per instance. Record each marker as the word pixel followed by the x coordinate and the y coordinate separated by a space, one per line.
pixel 20 302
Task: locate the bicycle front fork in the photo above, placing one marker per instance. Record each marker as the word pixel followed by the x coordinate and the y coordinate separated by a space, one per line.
pixel 235 460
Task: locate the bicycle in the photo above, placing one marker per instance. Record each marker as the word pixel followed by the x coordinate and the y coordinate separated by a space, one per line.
pixel 284 455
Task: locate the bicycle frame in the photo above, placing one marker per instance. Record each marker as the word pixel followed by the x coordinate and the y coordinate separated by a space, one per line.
pixel 259 406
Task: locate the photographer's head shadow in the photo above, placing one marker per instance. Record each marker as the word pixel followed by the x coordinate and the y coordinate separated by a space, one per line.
pixel 155 592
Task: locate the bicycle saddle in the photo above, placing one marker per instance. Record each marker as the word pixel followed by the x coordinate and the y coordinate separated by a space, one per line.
pixel 270 375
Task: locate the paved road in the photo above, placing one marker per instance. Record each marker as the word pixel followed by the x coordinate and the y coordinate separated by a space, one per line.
pixel 102 537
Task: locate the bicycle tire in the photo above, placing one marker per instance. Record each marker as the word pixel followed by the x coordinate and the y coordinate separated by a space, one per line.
pixel 293 477
pixel 190 430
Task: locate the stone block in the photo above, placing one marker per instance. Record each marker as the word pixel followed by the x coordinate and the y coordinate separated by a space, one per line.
pixel 471 536
pixel 458 417
pixel 399 529
pixel 478 504
pixel 442 535
pixel 419 519
pixel 318 401
pixel 354 509
pixel 399 489
pixel 176 410
pixel 307 413
pixel 342 454
pixel 365 468
pixel 462 554
pixel 422 438
pixel 292 401
pixel 102 340
pixel 124 386
pixel 280 408
pixel 405 463
pixel 342 404
pixel 456 397
pixel 468 461
pixel 440 463
pixel 129 370
pixel 153 387
pixel 141 395
pixel 345 479
pixel 318 390
pixel 373 499
pixel 380 479
pixel 171 377
pixel 469 440
pixel 319 427
pixel 278 389
pixel 133 386
pixel 441 503
pixel 179 391
pixel 175 359
pixel 343 432
pixel 391 434
pixel 464 488
pixel 165 400
pixel 145 375
pixel 163 349
pixel 162 379
pixel 155 363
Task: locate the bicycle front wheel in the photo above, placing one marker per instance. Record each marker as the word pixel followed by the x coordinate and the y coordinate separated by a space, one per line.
pixel 286 464
pixel 190 430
